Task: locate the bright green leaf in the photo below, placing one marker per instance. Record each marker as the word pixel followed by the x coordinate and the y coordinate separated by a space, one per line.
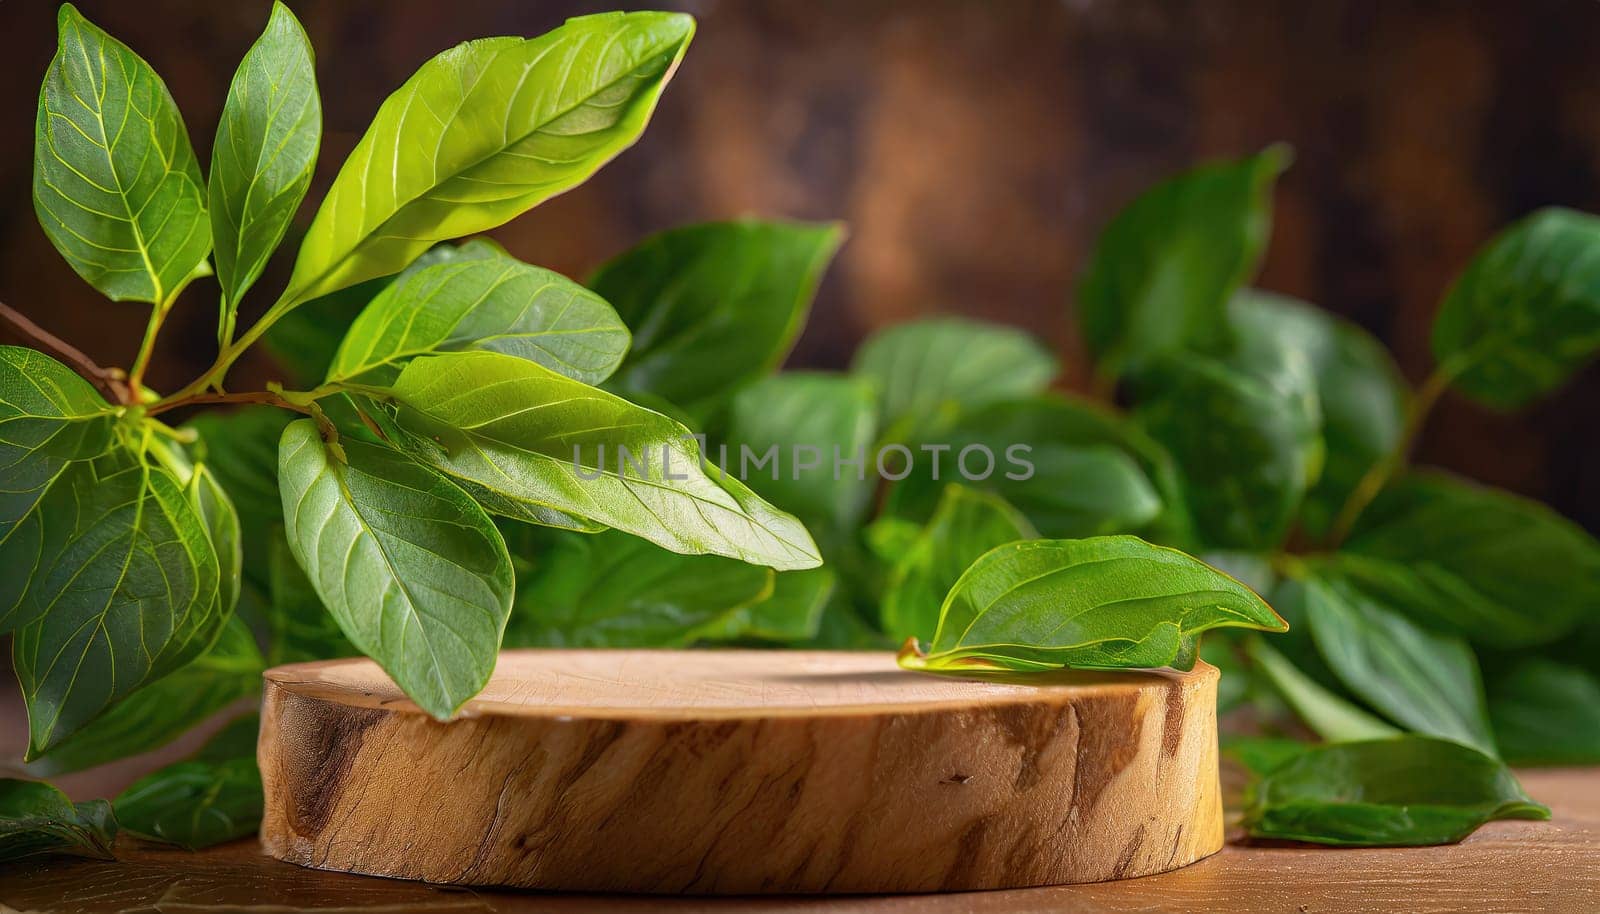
pixel 125 590
pixel 36 818
pixel 713 306
pixel 1546 713
pixel 1422 680
pixel 966 525
pixel 482 133
pixel 1525 314
pixel 115 182
pixel 492 303
pixel 1163 270
pixel 928 372
pixel 410 566
pixel 1109 602
pixel 266 149
pixel 1359 388
pixel 240 449
pixel 1502 570
pixel 299 627
pixel 615 590
pixel 527 441
pixel 1405 791
pixel 823 428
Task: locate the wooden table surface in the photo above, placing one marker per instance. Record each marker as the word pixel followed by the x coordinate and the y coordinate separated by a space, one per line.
pixel 1506 866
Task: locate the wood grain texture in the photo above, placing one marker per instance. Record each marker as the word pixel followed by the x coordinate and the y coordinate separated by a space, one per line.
pixel 1534 867
pixel 718 772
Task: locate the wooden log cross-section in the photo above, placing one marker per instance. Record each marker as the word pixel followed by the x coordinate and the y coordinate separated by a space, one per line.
pixel 742 772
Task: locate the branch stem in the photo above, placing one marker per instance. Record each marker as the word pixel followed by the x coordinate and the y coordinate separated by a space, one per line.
pixel 1381 472
pixel 109 381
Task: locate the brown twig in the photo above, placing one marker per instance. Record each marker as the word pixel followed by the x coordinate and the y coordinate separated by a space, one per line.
pixel 110 381
pixel 257 396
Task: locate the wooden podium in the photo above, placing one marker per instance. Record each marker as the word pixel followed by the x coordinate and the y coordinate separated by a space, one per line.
pixel 734 771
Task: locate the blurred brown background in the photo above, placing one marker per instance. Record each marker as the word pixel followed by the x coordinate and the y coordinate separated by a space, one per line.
pixel 974 149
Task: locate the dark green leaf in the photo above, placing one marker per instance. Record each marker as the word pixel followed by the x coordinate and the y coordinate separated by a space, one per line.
pixel 793 612
pixel 241 449
pixel 931 371
pixel 48 417
pixel 1073 468
pixel 211 798
pixel 1261 755
pixel 526 440
pixel 823 428
pixel 1246 438
pixel 1109 602
pixel 125 589
pixel 482 133
pixel 414 571
pixel 1359 388
pixel 1330 715
pixel 615 590
pixel 1424 681
pixel 299 627
pixel 966 525
pixel 1502 570
pixel 491 303
pixel 36 818
pixel 1163 270
pixel 1546 713
pixel 713 306
pixel 1526 312
pixel 115 182
pixel 165 709
pixel 265 151
pixel 1405 791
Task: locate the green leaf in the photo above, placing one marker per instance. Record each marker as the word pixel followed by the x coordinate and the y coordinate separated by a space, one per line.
pixel 1109 602
pixel 1525 314
pixel 115 182
pixel 1330 715
pixel 1073 468
pixel 482 133
pixel 715 305
pixel 414 571
pixel 1246 438
pixel 240 449
pixel 966 525
pixel 1424 681
pixel 793 612
pixel 299 627
pixel 1502 570
pixel 1546 713
pixel 125 589
pixel 36 818
pixel 928 372
pixel 1163 270
pixel 1360 390
pixel 49 416
pixel 265 152
pixel 215 796
pixel 614 590
pixel 527 441
pixel 1406 791
pixel 492 303
pixel 823 427
pixel 165 709
pixel 306 339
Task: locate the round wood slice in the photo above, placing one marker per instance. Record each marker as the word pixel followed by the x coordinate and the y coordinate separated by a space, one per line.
pixel 742 772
